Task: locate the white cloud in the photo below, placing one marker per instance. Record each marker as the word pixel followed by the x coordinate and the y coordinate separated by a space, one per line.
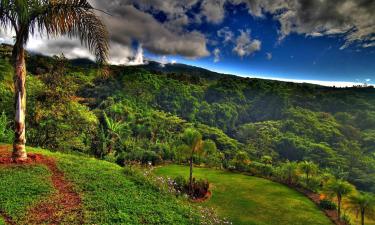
pixel 318 82
pixel 216 55
pixel 164 60
pixel 245 46
pixel 353 19
pixel 226 34
pixel 269 56
pixel 213 10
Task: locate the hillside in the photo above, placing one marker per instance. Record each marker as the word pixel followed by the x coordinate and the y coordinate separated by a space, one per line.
pixel 65 189
pixel 333 127
pixel 251 200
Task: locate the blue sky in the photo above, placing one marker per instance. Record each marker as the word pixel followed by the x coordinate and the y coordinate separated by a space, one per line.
pixel 296 57
pixel 294 40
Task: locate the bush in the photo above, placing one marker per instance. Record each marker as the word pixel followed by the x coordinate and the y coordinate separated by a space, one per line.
pixel 327 204
pixel 345 219
pixel 6 134
pixel 313 184
pixel 150 157
pixel 180 183
pixel 200 187
pixel 260 169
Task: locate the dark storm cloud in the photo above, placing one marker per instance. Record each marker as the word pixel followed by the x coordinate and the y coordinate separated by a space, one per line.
pixel 134 21
pixel 129 24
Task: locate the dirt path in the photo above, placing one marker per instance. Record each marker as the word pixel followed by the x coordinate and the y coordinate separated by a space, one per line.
pixel 63 207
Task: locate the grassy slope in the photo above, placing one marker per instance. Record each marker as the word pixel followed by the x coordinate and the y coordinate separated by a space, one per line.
pixel 21 187
pixel 109 196
pixel 250 200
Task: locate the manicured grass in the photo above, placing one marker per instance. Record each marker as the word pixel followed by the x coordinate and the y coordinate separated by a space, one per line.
pixel 21 187
pixel 251 200
pixel 2 222
pixel 110 197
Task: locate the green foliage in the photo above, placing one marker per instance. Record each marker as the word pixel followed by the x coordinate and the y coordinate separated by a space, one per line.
pixel 327 204
pixel 6 134
pixel 345 219
pixel 21 187
pixel 137 111
pixel 287 172
pixel 364 204
pixel 250 200
pixel 106 192
pixel 241 161
pixel 309 169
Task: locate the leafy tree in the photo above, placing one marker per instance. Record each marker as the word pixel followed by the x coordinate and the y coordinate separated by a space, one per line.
pixel 363 203
pixel 339 188
pixel 241 160
pixel 266 159
pixel 75 18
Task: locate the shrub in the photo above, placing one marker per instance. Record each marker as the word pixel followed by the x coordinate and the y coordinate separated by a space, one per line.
pixel 6 134
pixel 327 204
pixel 200 187
pixel 260 169
pixel 313 183
pixel 345 219
pixel 152 157
pixel 180 184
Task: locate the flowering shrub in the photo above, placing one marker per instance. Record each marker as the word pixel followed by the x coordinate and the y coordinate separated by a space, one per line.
pixel 209 216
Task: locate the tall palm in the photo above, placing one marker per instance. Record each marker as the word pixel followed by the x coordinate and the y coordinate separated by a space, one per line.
pixel 339 188
pixel 364 203
pixel 309 169
pixel 193 145
pixel 74 18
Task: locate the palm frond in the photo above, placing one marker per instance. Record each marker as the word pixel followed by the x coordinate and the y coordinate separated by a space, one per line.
pixel 74 18
pixel 5 10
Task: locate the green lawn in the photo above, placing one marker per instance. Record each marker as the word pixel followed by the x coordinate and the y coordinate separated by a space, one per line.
pixel 251 200
pixel 2 222
pixel 111 197
pixel 21 187
pixel 108 195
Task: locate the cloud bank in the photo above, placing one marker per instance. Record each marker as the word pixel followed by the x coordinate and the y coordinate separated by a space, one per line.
pixel 166 27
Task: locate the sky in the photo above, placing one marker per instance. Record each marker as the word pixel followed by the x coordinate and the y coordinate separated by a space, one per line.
pixel 329 42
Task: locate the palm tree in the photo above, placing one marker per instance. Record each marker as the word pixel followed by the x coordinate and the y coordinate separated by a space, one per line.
pixel 309 169
pixel 193 145
pixel 364 203
pixel 339 188
pixel 289 170
pixel 74 18
pixel 115 130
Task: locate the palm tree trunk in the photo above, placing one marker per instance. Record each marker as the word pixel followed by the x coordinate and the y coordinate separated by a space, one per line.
pixel 19 150
pixel 191 176
pixel 362 216
pixel 339 207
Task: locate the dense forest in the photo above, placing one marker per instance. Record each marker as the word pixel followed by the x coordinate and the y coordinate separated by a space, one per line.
pixel 138 113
